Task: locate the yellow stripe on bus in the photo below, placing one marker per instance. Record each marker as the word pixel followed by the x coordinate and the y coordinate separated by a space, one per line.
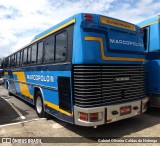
pixel 104 57
pixel 117 23
pixel 55 30
pixel 23 87
pixel 6 73
pixel 150 23
pixel 25 91
pixel 56 107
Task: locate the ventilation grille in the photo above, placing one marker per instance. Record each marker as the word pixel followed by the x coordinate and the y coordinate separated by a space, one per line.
pixel 101 85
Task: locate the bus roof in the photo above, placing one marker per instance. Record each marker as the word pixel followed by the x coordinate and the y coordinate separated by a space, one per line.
pixel 150 21
pixel 69 21
pixel 55 28
pixel 73 19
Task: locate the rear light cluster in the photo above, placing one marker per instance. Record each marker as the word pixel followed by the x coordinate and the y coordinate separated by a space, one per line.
pixel 88 17
pixel 90 117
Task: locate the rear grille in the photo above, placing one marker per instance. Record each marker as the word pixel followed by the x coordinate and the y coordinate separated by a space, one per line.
pixel 100 85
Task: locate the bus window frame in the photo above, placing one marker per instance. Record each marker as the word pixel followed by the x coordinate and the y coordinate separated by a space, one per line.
pixel 15 60
pixel 18 54
pixel 41 41
pixel 23 57
pixel 64 30
pixel 146 38
pixel 28 57
pixel 32 64
pixel 69 44
pixel 12 61
pixel 50 62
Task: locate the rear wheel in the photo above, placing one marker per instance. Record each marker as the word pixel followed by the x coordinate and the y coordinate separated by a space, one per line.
pixel 39 105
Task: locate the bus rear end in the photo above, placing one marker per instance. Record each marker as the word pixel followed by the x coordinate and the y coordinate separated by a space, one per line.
pixel 108 70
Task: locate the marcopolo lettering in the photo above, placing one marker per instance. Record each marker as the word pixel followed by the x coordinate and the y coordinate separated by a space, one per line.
pixel 125 42
pixel 41 78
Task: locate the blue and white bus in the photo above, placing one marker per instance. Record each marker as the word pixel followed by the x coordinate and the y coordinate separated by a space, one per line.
pixel 151 29
pixel 87 70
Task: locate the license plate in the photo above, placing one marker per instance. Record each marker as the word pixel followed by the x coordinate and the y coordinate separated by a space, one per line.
pixel 125 110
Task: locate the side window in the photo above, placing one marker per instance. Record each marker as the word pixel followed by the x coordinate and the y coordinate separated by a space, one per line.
pixel 12 61
pixel 6 63
pixel 34 54
pixel 15 60
pixel 61 46
pixel 29 55
pixel 21 58
pixel 49 49
pixel 40 53
pixel 25 56
pixel 9 62
pixel 146 37
pixel 18 59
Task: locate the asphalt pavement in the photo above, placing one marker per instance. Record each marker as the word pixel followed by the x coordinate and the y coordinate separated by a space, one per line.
pixel 14 109
pixel 19 119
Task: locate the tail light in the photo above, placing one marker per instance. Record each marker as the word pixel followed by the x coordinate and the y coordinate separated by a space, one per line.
pixel 83 116
pixel 88 17
pixel 91 117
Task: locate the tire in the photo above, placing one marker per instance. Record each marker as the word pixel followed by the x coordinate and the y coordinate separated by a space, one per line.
pixel 10 94
pixel 39 105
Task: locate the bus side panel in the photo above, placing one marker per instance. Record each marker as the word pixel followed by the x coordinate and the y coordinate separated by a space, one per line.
pixel 23 84
pixel 154 39
pixel 20 88
pixel 153 79
pixel 54 98
pixel 46 78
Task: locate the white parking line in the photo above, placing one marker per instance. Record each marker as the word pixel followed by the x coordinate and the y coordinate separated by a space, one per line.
pixel 16 110
pixel 16 123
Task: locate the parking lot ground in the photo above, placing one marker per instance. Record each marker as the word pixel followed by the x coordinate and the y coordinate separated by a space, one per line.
pixel 13 109
pixel 12 125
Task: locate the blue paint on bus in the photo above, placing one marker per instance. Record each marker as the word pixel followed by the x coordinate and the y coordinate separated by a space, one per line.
pixel 151 28
pixel 89 44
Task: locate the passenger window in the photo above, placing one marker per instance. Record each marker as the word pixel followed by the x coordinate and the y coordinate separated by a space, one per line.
pixel 21 57
pixel 34 54
pixel 40 53
pixel 15 60
pixel 6 62
pixel 29 55
pixel 61 46
pixel 12 61
pixel 146 37
pixel 24 56
pixel 9 62
pixel 49 49
pixel 18 59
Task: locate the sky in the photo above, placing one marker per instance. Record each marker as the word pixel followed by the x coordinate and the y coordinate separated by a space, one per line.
pixel 21 20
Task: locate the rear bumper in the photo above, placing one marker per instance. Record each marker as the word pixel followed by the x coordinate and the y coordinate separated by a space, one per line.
pixel 106 112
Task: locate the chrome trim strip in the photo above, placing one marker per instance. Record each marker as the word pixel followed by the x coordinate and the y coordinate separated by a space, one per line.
pixel 37 85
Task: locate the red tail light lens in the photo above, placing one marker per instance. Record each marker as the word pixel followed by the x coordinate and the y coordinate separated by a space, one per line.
pixel 83 116
pixel 93 117
pixel 88 17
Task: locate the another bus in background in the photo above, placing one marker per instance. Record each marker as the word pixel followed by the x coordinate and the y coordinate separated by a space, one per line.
pixel 151 28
